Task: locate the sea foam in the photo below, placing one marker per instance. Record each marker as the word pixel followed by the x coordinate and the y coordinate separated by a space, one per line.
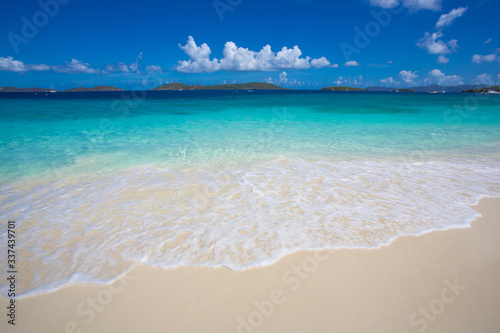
pixel 91 230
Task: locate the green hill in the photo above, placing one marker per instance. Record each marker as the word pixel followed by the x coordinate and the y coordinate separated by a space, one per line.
pixel 481 90
pixel 340 88
pixel 98 88
pixel 232 86
pixel 14 89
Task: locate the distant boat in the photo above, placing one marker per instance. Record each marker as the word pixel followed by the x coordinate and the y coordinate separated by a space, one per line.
pixel 434 91
pixel 52 90
pixel 493 91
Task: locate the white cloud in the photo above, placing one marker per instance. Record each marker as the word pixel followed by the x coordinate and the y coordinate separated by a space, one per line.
pixel 443 60
pixel 283 78
pixel 434 45
pixel 268 80
pixel 242 59
pixel 352 63
pixel 477 58
pixel 124 68
pixel 10 65
pixel 154 69
pixel 322 62
pixel 447 19
pixel 483 79
pixel 75 66
pixel 489 40
pixel 414 5
pixel 199 59
pixel 433 42
pixel 340 80
pixel 349 81
pixel 438 77
pixel 290 59
pixel 119 67
pixel 296 83
pixel 408 76
pixel 389 80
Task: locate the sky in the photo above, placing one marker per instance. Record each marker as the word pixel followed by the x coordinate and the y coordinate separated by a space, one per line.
pixel 299 44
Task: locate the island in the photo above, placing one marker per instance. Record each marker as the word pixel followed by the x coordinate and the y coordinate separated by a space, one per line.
pixel 404 90
pixel 98 88
pixel 15 89
pixel 497 88
pixel 341 88
pixel 232 86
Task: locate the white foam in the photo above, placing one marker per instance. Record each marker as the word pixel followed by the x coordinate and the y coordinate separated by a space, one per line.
pixel 84 231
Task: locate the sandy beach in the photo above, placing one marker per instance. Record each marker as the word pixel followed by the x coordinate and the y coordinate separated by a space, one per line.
pixel 443 281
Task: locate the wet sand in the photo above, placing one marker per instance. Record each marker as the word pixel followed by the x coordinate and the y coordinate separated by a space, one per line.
pixel 443 281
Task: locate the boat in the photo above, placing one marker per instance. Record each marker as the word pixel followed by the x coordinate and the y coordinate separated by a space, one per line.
pixel 52 90
pixel 493 91
pixel 435 91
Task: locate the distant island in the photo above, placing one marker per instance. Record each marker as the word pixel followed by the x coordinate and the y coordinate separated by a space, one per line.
pixel 481 90
pixel 14 89
pixel 98 88
pixel 340 88
pixel 231 86
pixel 263 86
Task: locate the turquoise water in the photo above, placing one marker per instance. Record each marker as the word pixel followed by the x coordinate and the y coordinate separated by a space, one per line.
pixel 39 136
pixel 235 179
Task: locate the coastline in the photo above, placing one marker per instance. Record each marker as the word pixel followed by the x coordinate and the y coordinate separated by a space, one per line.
pixel 442 281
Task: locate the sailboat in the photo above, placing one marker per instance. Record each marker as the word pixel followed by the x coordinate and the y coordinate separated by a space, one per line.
pixel 433 91
pixel 52 90
pixel 493 91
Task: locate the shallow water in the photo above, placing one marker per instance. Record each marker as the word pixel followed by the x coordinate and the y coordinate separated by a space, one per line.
pixel 234 179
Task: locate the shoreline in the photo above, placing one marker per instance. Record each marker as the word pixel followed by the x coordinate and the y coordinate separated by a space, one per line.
pixel 440 281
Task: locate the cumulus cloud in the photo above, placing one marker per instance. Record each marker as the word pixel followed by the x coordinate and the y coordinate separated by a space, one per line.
pixel 352 63
pixel 9 64
pixel 414 5
pixel 483 79
pixel 477 58
pixel 283 77
pixel 154 69
pixel 389 80
pixel 438 77
pixel 434 45
pixel 119 67
pixel 242 59
pixel 408 77
pixel 447 19
pixel 199 59
pixel 443 60
pixel 75 66
pixel 349 81
pixel 322 62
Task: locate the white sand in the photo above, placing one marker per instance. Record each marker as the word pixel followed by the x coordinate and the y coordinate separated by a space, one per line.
pixel 444 281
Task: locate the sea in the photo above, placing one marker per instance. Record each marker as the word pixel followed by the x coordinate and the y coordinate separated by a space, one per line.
pixel 98 182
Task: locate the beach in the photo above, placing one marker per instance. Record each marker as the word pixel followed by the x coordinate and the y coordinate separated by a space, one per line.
pixel 250 166
pixel 443 281
pixel 245 212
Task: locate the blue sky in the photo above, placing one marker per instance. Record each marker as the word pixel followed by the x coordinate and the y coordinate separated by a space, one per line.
pixel 302 44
